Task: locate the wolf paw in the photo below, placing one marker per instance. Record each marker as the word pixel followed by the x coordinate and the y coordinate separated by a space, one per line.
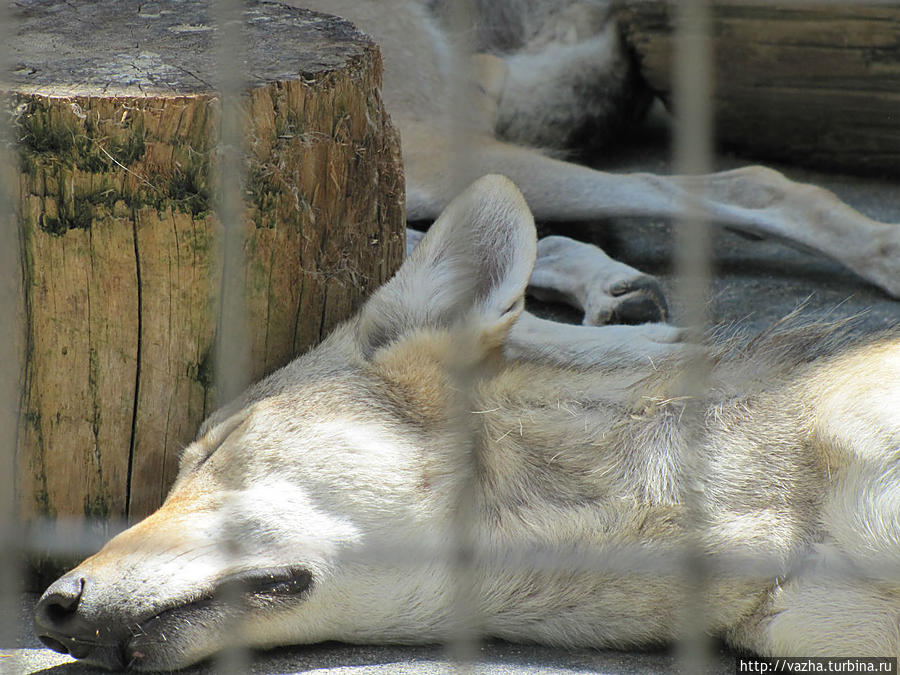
pixel 632 298
pixel 607 291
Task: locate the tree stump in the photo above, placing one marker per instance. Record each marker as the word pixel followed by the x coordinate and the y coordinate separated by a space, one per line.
pixel 814 84
pixel 117 126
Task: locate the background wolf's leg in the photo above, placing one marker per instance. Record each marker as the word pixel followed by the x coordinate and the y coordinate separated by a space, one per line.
pixel 753 200
pixel 569 345
pixel 584 277
pixel 575 96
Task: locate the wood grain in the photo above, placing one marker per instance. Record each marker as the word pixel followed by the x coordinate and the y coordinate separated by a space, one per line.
pixel 816 84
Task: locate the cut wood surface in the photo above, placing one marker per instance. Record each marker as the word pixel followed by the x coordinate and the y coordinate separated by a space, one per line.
pixel 817 84
pixel 117 122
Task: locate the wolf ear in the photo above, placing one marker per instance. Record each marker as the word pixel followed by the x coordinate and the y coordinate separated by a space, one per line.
pixel 472 266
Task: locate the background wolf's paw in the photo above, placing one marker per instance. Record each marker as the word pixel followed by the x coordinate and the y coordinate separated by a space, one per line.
pixel 634 298
pixel 605 290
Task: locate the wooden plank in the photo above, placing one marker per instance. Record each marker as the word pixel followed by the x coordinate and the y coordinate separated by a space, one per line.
pixel 814 84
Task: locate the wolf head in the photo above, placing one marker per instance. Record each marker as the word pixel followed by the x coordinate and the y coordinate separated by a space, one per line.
pixel 263 532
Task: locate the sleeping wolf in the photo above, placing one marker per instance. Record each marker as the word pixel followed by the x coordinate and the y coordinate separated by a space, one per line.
pixel 552 74
pixel 337 480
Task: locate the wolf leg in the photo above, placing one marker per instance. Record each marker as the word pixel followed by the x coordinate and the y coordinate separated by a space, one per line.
pixel 753 200
pixel 571 96
pixel 569 345
pixel 584 277
pixel 825 611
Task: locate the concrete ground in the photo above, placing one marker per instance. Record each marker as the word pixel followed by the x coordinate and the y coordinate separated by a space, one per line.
pixel 756 283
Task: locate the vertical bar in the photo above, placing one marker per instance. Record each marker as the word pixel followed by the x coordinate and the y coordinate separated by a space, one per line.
pixel 693 151
pixel 464 643
pixel 11 370
pixel 693 156
pixel 232 354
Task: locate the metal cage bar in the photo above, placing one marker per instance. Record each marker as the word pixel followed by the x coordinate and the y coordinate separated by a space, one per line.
pixel 692 154
pixel 11 370
pixel 232 356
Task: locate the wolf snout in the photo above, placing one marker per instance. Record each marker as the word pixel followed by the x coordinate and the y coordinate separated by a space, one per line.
pixel 61 627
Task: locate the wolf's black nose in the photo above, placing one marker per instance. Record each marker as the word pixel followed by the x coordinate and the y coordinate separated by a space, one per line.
pixel 55 617
pixel 67 621
pixel 59 602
